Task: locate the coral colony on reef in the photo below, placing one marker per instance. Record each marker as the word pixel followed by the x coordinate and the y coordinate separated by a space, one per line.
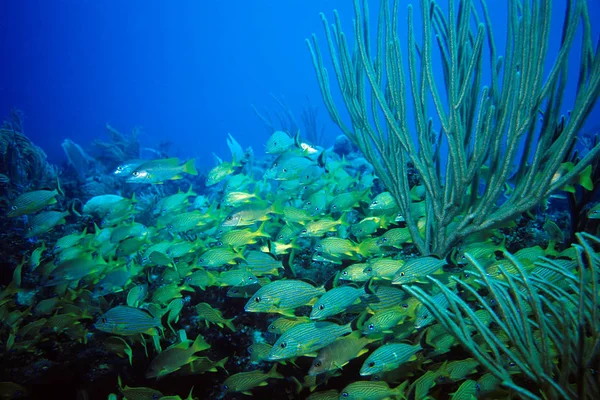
pixel 445 247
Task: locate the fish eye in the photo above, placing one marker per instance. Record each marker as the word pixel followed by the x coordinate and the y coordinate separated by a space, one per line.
pixel 345 394
pixel 371 364
pixel 257 299
pixel 250 349
pixel 283 345
pixel 322 307
pixel 135 173
pixel 345 273
pixel 225 387
pixel 170 226
pixel 371 326
pixel 402 273
pixel 512 364
pixel 250 278
pixel 405 305
pixel 369 269
pixel 30 228
pixel 304 231
pixel 119 168
pixel 374 203
pixel 318 364
pixel 229 218
pixel 14 208
pixel 284 170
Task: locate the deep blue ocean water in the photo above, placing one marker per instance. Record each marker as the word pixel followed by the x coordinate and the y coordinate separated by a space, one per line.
pixel 183 71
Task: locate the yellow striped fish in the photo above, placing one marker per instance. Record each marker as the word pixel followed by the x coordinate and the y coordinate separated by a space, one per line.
pixel 417 269
pixel 336 301
pixel 388 357
pixel 372 390
pixel 283 296
pixel 31 202
pixel 124 320
pixel 307 338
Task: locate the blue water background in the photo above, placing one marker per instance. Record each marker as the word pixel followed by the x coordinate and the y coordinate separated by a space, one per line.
pixel 183 71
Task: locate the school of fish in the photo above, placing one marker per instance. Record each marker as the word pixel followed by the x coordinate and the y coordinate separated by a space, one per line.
pixel 309 248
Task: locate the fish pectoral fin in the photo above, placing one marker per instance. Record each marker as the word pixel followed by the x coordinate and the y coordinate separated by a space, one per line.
pixel 247 393
pixel 360 353
pixel 287 313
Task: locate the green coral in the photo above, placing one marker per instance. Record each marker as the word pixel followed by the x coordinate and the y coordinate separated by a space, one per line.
pixel 481 128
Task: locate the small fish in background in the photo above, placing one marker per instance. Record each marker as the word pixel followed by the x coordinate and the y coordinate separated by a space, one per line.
pixel 223 170
pixel 44 222
pixel 339 353
pixel 138 392
pixel 283 296
pixel 307 338
pixel 594 212
pixel 279 142
pixel 372 390
pixel 158 171
pixel 124 320
pixel 175 357
pixel 31 202
pixel 388 357
pixel 128 167
pixel 244 382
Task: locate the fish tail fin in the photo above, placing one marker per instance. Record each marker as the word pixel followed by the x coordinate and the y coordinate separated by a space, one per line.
pixel 230 325
pixel 360 320
pixel 297 140
pixel 261 230
pixel 58 188
pixel 190 191
pixel 368 288
pixel 297 383
pixel 190 167
pixel 273 372
pixel 74 211
pixel 221 364
pixel 199 344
